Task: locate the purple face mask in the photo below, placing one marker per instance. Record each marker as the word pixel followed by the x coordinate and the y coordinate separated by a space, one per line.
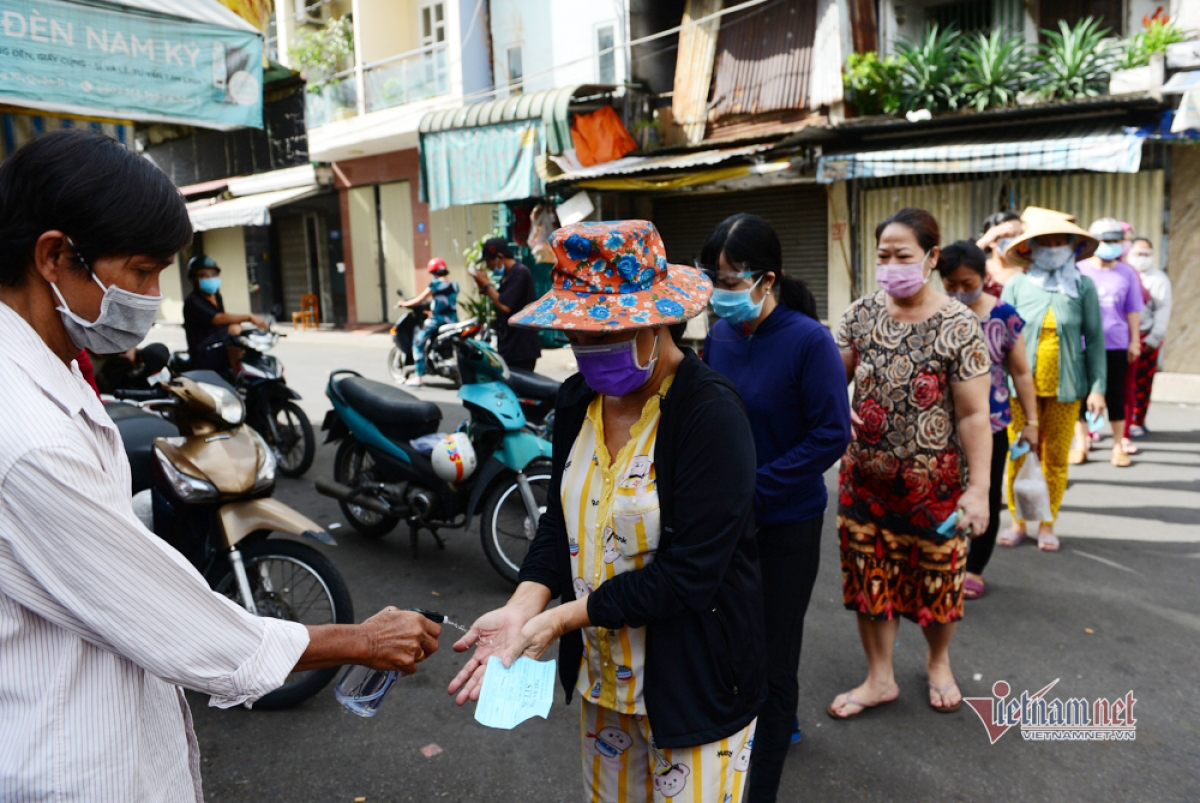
pixel 612 369
pixel 902 281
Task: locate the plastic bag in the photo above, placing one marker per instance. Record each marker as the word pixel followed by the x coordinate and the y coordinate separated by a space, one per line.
pixel 1031 497
pixel 544 223
pixel 426 443
pixel 600 137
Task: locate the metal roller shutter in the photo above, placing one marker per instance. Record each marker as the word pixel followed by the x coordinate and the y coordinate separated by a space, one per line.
pixel 798 214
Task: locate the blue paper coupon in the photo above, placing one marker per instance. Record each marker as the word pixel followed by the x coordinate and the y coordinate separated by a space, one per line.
pixel 511 696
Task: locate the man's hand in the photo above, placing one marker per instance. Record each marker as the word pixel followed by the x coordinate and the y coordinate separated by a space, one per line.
pixel 495 633
pixel 481 279
pixel 399 640
pixel 258 322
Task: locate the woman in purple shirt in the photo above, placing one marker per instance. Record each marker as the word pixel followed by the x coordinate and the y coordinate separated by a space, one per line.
pixel 1120 294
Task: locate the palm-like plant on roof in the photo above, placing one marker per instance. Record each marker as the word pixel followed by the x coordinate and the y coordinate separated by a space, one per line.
pixel 929 68
pixel 995 68
pixel 1075 62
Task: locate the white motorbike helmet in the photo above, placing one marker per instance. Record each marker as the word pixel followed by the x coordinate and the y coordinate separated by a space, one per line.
pixel 454 458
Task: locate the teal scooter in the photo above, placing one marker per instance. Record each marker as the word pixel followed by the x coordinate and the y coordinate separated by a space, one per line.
pixel 383 473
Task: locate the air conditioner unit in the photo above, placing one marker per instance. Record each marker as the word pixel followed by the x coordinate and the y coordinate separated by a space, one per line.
pixel 312 12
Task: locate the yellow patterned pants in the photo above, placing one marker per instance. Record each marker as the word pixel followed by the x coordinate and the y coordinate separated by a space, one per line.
pixel 1056 429
pixel 622 765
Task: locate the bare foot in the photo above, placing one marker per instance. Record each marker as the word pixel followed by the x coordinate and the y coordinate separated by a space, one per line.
pixel 943 691
pixel 868 695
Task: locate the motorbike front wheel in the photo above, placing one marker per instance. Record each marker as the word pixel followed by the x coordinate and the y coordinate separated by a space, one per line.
pixel 293 444
pixel 397 364
pixel 351 465
pixel 294 582
pixel 508 529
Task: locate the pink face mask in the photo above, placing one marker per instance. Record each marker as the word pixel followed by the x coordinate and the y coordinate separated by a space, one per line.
pixel 902 281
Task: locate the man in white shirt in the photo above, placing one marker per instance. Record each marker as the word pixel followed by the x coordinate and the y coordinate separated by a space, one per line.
pixel 101 622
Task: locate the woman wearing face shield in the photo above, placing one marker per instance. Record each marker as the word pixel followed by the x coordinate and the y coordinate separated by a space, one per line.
pixel 1061 310
pixel 648 533
pixel 787 369
pixel 921 375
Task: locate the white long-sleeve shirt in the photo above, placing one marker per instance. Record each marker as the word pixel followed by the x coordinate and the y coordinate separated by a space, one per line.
pixel 101 622
pixel 1156 315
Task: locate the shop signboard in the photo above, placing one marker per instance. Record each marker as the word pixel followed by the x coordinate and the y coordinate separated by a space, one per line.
pixel 98 60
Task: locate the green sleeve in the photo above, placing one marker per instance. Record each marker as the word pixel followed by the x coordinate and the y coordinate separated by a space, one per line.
pixel 1093 338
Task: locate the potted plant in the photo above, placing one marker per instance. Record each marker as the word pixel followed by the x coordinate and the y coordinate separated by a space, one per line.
pixel 929 68
pixel 1074 62
pixel 872 84
pixel 1141 65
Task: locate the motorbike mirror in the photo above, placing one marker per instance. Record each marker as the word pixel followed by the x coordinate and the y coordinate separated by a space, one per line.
pixel 276 311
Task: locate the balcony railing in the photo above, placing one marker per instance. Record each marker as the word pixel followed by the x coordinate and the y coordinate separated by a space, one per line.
pixel 336 101
pixel 407 78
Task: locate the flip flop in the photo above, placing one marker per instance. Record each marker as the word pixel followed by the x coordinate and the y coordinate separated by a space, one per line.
pixel 941 692
pixel 1120 459
pixel 1048 542
pixel 1011 538
pixel 1077 457
pixel 861 707
pixel 973 589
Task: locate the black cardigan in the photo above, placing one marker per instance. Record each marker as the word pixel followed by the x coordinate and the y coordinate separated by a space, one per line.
pixel 700 598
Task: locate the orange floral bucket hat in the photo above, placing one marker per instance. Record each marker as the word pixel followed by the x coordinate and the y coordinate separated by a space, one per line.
pixel 614 276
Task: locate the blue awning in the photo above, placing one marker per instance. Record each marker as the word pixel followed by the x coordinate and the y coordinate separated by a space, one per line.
pixel 1103 152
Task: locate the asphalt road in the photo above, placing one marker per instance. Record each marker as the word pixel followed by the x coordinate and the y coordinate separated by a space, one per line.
pixel 1115 611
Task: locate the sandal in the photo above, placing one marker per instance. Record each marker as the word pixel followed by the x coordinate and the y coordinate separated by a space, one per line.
pixel 1077 457
pixel 861 707
pixel 1011 537
pixel 973 589
pixel 1120 459
pixel 1128 447
pixel 1048 542
pixel 941 692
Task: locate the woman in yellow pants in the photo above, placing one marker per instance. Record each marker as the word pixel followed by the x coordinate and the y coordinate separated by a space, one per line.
pixel 1061 305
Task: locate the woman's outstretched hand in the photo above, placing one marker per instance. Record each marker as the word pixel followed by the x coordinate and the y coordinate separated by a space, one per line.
pixel 496 633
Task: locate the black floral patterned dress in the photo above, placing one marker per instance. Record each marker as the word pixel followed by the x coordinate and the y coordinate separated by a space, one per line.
pixel 903 474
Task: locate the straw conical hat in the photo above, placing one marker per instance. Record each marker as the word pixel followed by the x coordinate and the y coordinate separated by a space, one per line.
pixel 1038 221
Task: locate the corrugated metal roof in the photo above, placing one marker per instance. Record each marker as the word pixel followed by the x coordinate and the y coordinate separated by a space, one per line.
pixel 551 105
pixel 678 161
pixel 763 60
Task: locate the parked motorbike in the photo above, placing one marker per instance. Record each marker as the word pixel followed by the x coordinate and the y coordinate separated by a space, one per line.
pixel 537 395
pixel 400 359
pixel 382 474
pixel 202 480
pixel 271 407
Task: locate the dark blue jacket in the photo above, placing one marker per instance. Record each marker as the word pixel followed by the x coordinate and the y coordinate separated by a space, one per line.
pixel 793 382
pixel 700 599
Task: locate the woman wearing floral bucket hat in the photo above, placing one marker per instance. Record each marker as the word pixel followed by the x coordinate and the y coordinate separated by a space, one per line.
pixel 648 533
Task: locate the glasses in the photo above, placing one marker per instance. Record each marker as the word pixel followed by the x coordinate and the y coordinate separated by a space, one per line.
pixel 725 278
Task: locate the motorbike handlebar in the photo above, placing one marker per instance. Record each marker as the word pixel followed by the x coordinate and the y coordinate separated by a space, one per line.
pixel 138 395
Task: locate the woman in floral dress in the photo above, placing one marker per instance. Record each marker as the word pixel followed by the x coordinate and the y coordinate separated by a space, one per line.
pixel 921 376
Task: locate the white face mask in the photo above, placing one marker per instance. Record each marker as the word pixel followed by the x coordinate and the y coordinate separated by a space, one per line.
pixel 124 321
pixel 1142 262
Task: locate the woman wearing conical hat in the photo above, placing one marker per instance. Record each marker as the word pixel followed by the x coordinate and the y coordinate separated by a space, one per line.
pixel 1065 347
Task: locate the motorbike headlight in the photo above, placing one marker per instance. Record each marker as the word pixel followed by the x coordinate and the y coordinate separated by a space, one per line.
pixel 229 406
pixel 265 476
pixel 187 488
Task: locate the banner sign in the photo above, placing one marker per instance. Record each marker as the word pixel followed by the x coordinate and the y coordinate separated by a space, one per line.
pixel 103 61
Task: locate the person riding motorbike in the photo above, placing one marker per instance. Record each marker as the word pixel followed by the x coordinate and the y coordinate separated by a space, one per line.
pixel 207 324
pixel 444 296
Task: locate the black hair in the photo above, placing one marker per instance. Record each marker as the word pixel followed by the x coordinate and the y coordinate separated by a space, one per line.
pixel 996 218
pixel 1145 240
pixel 749 240
pixel 962 254
pixel 109 200
pixel 923 225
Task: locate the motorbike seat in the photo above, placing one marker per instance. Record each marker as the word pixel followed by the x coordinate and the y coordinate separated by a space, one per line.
pixel 528 385
pixel 398 414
